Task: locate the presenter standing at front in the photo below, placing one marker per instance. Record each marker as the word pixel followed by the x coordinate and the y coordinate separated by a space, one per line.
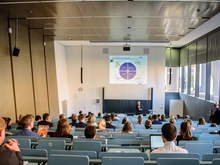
pixel 139 107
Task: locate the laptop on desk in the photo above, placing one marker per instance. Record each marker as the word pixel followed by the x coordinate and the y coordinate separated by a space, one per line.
pixel 156 141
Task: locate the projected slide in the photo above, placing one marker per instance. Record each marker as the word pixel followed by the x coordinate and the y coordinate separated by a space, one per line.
pixel 128 69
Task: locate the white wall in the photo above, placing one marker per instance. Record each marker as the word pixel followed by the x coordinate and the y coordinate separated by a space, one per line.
pixel 62 80
pixel 96 76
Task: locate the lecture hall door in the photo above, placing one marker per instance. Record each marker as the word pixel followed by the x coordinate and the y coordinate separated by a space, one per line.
pixel 80 103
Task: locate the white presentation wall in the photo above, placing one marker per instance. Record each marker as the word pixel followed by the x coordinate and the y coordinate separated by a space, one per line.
pixel 95 64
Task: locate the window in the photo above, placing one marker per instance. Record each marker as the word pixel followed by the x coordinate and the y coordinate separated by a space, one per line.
pixel 202 80
pixel 214 81
pixel 173 84
pixel 193 80
pixel 184 80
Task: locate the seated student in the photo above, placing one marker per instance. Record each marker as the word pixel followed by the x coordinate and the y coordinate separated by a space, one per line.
pixel 172 120
pixel 108 120
pixel 169 134
pixel 37 118
pixel 102 126
pixel 124 120
pixel 90 132
pixel 155 120
pixel 63 129
pixel 127 128
pixel 46 120
pixel 185 133
pixel 99 115
pixel 163 118
pixel 201 121
pixel 81 123
pixel 140 119
pixel 9 153
pixel 190 122
pixel 148 124
pixel 74 119
pixel 8 122
pixel 114 117
pixel 61 116
pixel 89 113
pixel 91 120
pixel 27 124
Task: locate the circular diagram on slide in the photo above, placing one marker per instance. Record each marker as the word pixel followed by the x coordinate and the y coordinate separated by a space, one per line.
pixel 127 70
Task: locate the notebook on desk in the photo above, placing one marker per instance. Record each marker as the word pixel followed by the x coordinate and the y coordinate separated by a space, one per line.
pixel 156 141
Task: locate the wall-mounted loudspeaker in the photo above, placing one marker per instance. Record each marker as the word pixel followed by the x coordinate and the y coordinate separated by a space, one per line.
pixel 97 101
pixel 126 48
pixel 15 51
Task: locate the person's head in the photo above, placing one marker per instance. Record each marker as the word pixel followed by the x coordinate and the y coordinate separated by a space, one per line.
pixel 140 119
pixel 201 121
pixel 112 115
pixel 127 127
pixel 163 117
pixel 215 105
pixel 178 116
pixel 102 124
pixel 150 117
pixel 138 102
pixel 124 120
pixel 27 121
pixel 46 117
pixel 213 125
pixel 2 130
pixel 189 121
pixel 82 117
pixel 37 118
pixel 61 116
pixel 185 130
pixel 155 117
pixel 187 117
pixel 172 120
pixel 74 118
pixel 108 118
pixel 91 119
pixel 148 124
pixel 90 132
pixel 169 132
pixel 99 114
pixel 8 121
pixel 63 128
pixel 80 112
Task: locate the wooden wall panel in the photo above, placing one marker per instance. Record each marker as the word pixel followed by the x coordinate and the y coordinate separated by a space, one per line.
pixel 7 108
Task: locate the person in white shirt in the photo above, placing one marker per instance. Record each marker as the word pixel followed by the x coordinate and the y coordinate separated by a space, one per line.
pixel 169 134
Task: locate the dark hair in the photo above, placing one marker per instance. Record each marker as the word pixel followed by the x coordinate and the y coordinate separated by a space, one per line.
pixel 37 117
pixel 213 125
pixel 127 127
pixel 99 114
pixel 90 132
pixel 185 130
pixel 155 117
pixel 169 131
pixel 61 116
pixel 74 118
pixel 80 112
pixel 124 120
pixel 148 124
pixel 108 118
pixel 45 116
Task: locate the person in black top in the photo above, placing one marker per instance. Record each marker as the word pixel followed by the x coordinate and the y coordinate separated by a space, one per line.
pixel 46 120
pixel 215 118
pixel 81 123
pixel 139 107
pixel 108 120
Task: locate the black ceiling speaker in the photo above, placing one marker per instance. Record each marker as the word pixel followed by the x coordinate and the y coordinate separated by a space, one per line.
pixel 15 51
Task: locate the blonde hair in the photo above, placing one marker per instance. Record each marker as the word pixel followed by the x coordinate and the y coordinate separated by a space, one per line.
pixel 172 120
pixel 201 121
pixel 91 120
pixel 140 119
pixel 27 120
pixel 102 124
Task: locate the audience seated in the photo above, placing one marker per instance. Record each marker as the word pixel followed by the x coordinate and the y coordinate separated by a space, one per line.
pixel 9 153
pixel 89 113
pixel 124 120
pixel 185 133
pixel 99 115
pixel 150 117
pixel 61 116
pixel 108 120
pixel 140 119
pixel 114 117
pixel 81 123
pixel 37 118
pixel 27 124
pixel 190 122
pixel 213 125
pixel 163 118
pixel 90 132
pixel 148 124
pixel 187 117
pixel 91 121
pixel 169 134
pixel 127 128
pixel 155 119
pixel 74 119
pixel 102 126
pixel 19 119
pixel 201 121
pixel 178 116
pixel 63 129
pixel 8 122
pixel 172 120
pixel 46 120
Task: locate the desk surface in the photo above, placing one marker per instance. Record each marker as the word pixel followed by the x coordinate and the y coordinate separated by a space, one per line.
pixel 126 150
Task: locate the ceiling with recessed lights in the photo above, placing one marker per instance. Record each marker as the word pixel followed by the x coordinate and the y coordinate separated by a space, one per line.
pixel 112 21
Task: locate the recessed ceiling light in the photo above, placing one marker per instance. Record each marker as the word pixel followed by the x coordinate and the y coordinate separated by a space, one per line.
pixel 129 27
pixel 129 16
